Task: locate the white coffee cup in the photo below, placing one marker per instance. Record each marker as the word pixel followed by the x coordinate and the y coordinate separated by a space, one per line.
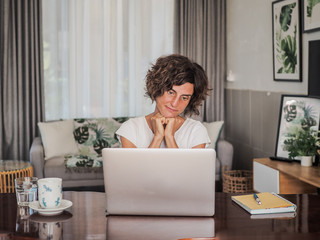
pixel 50 192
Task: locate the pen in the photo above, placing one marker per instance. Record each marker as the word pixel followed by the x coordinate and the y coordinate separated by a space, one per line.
pixel 257 198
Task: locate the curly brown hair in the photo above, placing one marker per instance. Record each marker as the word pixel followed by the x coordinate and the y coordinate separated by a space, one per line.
pixel 177 70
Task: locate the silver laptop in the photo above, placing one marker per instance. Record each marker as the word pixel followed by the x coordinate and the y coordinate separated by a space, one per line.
pixel 162 181
pixel 159 227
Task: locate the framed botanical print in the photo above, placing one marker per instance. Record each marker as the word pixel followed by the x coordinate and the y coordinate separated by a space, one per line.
pixel 296 113
pixel 311 15
pixel 286 40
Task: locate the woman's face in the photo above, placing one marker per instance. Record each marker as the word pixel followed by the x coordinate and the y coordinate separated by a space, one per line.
pixel 174 101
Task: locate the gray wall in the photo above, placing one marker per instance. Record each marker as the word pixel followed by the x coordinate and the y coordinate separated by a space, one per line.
pixel 251 124
pixel 253 98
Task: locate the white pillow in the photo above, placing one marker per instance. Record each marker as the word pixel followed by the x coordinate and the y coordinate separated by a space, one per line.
pixel 57 138
pixel 214 130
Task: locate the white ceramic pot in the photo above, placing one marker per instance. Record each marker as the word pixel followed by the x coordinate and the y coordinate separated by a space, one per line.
pixel 306 161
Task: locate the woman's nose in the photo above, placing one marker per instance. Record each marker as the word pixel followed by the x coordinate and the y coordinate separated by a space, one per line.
pixel 175 101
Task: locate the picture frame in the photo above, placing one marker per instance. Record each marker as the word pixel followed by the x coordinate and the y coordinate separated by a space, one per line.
pixel 311 15
pixel 296 112
pixel 313 68
pixel 286 36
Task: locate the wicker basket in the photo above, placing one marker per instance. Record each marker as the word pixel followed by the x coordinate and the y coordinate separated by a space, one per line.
pixel 237 181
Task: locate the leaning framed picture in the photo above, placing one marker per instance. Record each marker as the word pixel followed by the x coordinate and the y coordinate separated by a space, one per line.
pixel 286 35
pixel 311 15
pixel 296 113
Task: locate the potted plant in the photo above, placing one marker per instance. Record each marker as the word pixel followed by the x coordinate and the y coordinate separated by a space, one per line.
pixel 304 143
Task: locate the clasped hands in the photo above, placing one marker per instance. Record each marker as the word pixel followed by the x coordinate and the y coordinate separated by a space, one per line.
pixel 165 127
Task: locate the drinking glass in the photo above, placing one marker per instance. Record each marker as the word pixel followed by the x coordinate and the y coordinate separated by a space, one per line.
pixel 26 190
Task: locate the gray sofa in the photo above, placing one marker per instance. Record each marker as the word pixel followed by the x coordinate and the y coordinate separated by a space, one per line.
pixel 55 166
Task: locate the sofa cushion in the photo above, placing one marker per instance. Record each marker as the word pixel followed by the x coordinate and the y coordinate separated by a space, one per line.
pixel 83 161
pixel 57 138
pixel 214 130
pixel 92 135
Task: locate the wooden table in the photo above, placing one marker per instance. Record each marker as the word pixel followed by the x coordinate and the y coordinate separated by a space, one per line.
pixel 86 220
pixel 10 170
pixel 284 177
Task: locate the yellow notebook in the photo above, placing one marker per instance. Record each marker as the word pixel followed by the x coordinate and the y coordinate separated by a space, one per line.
pixel 270 203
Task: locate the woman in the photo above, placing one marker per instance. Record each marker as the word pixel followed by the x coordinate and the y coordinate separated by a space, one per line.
pixel 178 86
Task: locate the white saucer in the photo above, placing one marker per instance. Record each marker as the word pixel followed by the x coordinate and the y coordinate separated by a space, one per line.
pixel 50 212
pixel 36 217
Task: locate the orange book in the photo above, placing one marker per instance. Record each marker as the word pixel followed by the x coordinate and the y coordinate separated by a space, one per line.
pixel 270 203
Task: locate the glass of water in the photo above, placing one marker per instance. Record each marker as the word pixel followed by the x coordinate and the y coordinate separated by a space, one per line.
pixel 26 190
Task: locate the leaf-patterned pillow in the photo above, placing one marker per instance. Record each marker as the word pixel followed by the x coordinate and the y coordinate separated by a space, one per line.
pixel 92 135
pixel 84 161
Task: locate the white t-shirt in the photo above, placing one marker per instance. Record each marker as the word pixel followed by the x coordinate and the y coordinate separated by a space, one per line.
pixel 189 135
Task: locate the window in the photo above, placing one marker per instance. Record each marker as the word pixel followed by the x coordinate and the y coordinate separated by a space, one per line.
pixel 97 52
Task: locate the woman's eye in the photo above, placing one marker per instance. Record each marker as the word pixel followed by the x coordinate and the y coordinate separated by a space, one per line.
pixel 185 98
pixel 170 92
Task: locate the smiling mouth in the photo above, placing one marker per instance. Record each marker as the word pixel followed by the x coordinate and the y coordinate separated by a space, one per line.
pixel 171 109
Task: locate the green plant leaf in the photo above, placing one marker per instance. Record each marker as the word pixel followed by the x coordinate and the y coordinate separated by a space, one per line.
pixel 81 134
pixel 310 6
pixel 285 16
pixel 289 54
pixel 302 143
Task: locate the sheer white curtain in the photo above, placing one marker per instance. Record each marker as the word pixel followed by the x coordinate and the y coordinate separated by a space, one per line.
pixel 97 52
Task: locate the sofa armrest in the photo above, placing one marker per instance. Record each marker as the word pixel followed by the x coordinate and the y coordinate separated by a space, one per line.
pixel 225 154
pixel 37 157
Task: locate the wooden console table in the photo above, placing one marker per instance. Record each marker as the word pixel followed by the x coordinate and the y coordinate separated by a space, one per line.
pixel 284 177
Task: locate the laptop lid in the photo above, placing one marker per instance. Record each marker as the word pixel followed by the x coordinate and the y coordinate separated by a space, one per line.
pixel 169 182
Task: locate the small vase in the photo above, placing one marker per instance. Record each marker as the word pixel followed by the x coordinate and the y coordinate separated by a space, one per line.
pixel 306 161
